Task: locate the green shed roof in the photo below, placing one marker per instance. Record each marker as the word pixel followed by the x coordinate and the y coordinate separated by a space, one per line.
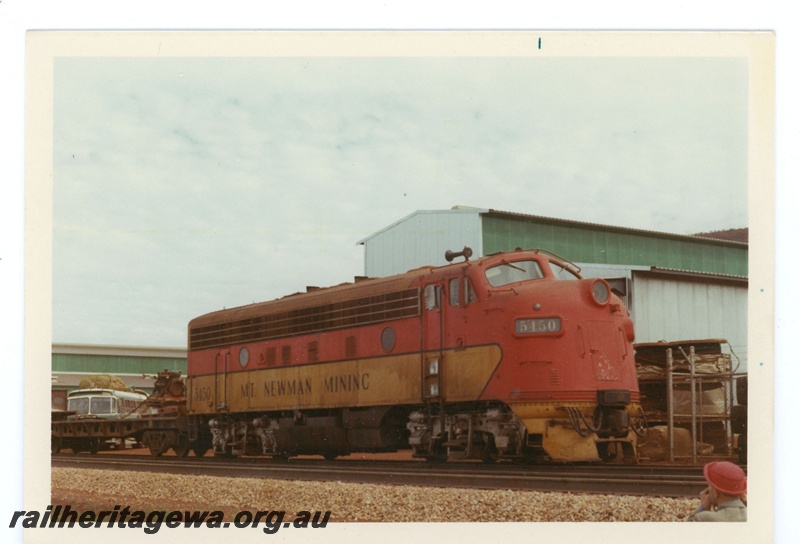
pixel 592 243
pixel 116 359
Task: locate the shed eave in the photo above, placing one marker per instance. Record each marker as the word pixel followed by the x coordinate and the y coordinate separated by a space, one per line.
pixel 697 239
pixel 459 210
pixel 695 274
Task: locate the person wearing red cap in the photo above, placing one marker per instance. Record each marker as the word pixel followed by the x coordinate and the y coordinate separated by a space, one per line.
pixel 724 498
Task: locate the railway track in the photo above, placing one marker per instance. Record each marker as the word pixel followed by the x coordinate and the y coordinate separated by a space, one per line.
pixel 647 480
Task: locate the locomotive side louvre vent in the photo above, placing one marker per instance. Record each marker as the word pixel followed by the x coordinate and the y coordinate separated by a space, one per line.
pixel 313 351
pixel 272 356
pixel 324 317
pixel 350 347
pixel 286 355
pixel 555 379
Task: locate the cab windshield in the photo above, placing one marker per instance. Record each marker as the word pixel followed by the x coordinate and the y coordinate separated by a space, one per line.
pixel 513 272
pixel 562 272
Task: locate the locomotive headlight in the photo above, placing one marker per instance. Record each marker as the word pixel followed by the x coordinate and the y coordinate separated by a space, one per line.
pixel 600 292
pixel 541 325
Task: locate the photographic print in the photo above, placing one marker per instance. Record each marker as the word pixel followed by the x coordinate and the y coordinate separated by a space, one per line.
pixel 324 281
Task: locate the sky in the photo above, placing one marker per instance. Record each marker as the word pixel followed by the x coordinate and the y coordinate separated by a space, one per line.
pixel 185 185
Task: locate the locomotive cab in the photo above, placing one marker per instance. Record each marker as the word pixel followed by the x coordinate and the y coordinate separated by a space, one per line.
pixel 565 387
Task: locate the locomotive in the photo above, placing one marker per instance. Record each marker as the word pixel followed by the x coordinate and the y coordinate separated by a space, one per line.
pixel 511 356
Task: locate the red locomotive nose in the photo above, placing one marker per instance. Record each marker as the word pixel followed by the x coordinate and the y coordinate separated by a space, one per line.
pixel 627 327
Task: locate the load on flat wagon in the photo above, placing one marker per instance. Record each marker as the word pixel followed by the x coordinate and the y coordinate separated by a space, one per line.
pixel 95 419
pixel 509 356
pixel 104 403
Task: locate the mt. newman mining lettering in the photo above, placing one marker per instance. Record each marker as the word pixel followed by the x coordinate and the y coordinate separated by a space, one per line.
pixel 346 382
pixel 342 383
pixel 277 388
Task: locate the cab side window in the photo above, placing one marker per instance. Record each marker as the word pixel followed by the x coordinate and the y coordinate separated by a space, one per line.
pixel 453 291
pixel 455 288
pixel 469 292
pixel 432 297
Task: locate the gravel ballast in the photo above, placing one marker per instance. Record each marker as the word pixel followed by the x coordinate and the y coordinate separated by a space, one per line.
pixel 348 502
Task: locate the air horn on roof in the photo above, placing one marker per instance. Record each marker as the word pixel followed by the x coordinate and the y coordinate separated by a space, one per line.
pixel 450 255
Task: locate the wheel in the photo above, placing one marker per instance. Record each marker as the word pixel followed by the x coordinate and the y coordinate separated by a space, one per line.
pixel 605 453
pixel 629 454
pixel 227 454
pixel 436 458
pixel 489 454
pixel 200 449
pixel 432 454
pixel 181 449
pixel 155 442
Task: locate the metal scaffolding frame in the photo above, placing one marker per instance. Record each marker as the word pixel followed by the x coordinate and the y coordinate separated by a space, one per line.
pixel 701 386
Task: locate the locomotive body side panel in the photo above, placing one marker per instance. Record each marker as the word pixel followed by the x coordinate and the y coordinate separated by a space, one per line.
pixel 378 381
pixel 467 372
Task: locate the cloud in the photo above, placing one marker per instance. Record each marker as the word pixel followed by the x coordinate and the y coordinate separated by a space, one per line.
pixel 184 185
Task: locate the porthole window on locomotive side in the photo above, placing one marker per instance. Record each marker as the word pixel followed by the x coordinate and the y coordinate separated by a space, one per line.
pixel 244 356
pixel 388 339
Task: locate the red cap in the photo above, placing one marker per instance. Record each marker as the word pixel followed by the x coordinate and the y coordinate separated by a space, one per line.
pixel 726 477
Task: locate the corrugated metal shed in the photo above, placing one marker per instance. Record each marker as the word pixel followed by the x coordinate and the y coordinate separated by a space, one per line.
pixel 667 306
pixel 72 362
pixel 422 238
pixel 591 243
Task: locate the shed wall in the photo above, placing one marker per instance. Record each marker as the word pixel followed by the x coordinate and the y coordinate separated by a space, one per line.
pixel 421 240
pixel 114 364
pixel 667 308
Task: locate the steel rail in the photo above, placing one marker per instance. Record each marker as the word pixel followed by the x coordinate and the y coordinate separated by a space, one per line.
pixel 604 479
